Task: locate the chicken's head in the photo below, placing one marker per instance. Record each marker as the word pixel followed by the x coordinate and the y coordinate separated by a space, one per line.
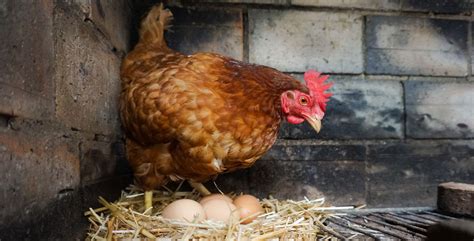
pixel 299 106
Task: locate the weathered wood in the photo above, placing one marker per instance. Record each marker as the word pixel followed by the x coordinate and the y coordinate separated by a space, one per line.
pixel 457 198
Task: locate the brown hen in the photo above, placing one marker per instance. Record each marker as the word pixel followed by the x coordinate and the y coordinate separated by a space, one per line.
pixel 195 116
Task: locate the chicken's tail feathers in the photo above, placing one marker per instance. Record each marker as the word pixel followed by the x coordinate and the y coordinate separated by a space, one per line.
pixel 153 26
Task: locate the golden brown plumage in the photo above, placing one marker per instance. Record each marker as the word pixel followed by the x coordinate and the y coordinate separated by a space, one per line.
pixel 194 117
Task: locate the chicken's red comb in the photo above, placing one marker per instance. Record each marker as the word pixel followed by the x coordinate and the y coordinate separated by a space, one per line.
pixel 315 83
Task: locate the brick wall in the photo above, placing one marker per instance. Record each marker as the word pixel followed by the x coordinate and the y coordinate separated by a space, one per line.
pixel 401 119
pixel 60 138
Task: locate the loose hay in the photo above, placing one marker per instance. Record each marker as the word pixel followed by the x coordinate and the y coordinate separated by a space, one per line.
pixel 126 219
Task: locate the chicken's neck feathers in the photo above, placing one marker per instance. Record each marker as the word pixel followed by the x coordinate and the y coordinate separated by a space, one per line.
pixel 261 87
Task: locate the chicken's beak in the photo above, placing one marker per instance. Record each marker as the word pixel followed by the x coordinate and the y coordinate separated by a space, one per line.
pixel 314 122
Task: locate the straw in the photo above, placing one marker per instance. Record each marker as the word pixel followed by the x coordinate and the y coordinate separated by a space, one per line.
pixel 126 219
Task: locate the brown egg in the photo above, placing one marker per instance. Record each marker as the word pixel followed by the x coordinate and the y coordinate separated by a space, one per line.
pixel 220 210
pixel 248 205
pixel 184 209
pixel 215 196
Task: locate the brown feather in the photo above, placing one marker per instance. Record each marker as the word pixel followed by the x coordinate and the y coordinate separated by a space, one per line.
pixel 194 117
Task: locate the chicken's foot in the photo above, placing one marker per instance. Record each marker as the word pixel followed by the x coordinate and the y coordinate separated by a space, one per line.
pixel 148 200
pixel 200 188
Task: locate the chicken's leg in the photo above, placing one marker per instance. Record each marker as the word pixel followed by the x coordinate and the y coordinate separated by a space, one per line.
pixel 200 188
pixel 148 200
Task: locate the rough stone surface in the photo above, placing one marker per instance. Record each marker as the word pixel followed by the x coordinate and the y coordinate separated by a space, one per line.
pixel 472 50
pixel 207 30
pixel 272 2
pixel 55 59
pixel 439 109
pixel 340 182
pixel 359 109
pixel 53 222
pixel 336 172
pixel 358 4
pixel 41 183
pixel 26 54
pixel 438 6
pixel 294 41
pixel 416 46
pixel 101 159
pixel 407 174
pixel 457 198
pixel 311 152
pixel 87 75
pixel 39 162
pixel 109 189
pixel 61 219
pixel 113 19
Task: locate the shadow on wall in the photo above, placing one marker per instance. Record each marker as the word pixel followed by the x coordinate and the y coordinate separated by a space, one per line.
pixel 441 6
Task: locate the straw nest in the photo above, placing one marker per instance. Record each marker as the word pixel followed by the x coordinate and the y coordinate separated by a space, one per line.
pixel 126 219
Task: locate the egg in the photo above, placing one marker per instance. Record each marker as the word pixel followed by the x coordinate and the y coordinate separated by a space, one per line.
pixel 248 205
pixel 215 196
pixel 184 209
pixel 220 210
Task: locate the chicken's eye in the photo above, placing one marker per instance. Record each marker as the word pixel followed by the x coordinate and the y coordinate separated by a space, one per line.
pixel 303 101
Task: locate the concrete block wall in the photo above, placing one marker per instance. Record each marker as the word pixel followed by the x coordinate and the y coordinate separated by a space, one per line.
pixel 60 139
pixel 401 118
